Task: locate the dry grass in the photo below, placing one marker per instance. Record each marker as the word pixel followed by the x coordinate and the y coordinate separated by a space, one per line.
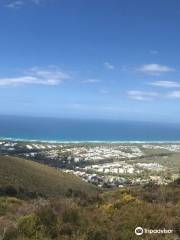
pixel 35 177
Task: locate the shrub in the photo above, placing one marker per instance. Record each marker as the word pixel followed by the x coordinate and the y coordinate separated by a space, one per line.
pixel 67 229
pixel 177 227
pixel 71 215
pixel 108 208
pixel 8 229
pixel 177 181
pixel 48 220
pixel 7 204
pixel 97 234
pixel 13 200
pixel 8 190
pixel 28 225
pixel 127 198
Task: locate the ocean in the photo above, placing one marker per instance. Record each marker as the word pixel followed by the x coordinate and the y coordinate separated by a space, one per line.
pixel 71 130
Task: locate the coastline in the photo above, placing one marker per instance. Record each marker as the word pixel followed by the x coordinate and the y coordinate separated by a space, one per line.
pixel 88 141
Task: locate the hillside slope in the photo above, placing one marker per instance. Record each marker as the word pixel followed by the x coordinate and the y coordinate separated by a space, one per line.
pixel 39 178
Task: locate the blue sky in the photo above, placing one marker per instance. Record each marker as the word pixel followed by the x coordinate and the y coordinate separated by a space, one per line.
pixel 109 59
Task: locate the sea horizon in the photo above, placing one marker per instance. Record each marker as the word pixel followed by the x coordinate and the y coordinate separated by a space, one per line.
pixel 43 129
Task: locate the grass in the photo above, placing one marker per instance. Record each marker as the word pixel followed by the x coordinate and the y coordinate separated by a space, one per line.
pixel 35 177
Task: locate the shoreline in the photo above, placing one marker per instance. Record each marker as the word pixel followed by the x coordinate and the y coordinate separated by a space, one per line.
pixel 88 141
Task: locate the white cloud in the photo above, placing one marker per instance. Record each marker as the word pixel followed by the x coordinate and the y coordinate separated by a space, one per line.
pixel 155 69
pixel 174 94
pixel 148 96
pixel 153 52
pixel 36 1
pixel 141 96
pixel 37 76
pixel 165 84
pixel 15 4
pixel 104 91
pixel 91 80
pixel 109 66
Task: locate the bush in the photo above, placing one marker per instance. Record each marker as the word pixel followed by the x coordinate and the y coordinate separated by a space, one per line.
pixel 48 220
pixel 177 181
pixel 108 208
pixel 177 227
pixel 8 190
pixel 67 229
pixel 8 229
pixel 7 204
pixel 127 198
pixel 28 225
pixel 71 215
pixel 97 234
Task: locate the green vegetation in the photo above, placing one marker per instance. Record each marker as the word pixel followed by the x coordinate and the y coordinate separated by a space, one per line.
pixel 23 177
pixel 69 215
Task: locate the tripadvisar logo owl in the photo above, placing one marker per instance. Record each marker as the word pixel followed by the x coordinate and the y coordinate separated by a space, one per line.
pixel 139 231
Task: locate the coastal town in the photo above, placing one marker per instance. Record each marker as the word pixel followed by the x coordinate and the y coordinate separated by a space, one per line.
pixel 104 164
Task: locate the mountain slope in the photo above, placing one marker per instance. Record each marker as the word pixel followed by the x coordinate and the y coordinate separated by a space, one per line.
pixel 39 178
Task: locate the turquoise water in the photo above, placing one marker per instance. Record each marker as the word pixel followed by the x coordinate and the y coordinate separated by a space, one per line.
pixel 49 129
